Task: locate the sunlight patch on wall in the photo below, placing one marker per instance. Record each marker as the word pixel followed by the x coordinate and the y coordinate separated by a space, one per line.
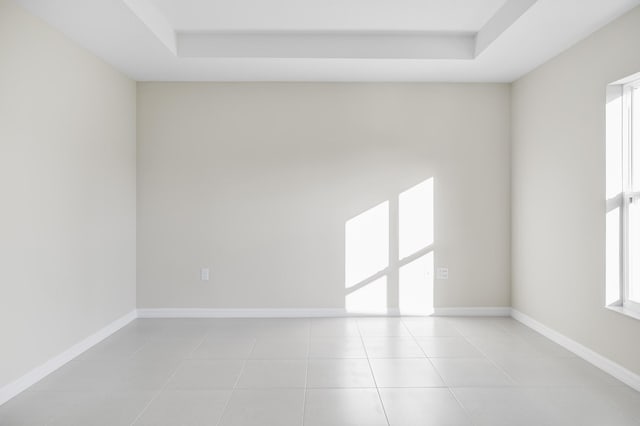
pixel 416 286
pixel 416 218
pixel 389 254
pixel 370 299
pixel 367 244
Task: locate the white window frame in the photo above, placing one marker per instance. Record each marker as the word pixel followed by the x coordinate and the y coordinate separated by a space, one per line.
pixel 629 196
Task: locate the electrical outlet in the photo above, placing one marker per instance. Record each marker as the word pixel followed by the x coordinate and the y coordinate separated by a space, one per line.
pixel 204 274
pixel 442 273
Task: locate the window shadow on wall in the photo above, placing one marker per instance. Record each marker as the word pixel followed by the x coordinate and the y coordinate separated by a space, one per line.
pixel 389 255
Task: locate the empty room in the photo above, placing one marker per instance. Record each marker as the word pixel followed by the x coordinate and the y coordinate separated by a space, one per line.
pixel 320 213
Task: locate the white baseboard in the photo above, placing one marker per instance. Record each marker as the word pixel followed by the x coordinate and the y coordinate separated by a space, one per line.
pixel 626 376
pixel 238 313
pixel 14 388
pixel 306 313
pixel 497 311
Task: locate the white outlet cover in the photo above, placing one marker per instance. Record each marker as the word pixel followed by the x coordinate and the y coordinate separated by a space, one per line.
pixel 442 273
pixel 204 274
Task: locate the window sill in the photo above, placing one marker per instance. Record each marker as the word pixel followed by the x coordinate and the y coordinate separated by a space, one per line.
pixel 625 311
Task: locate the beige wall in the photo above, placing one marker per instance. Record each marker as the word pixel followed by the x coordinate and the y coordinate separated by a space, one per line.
pixel 559 191
pixel 257 181
pixel 67 185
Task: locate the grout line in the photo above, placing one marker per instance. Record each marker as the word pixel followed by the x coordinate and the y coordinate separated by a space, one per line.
pixel 361 337
pixel 446 385
pixel 515 383
pixel 193 351
pixel 425 355
pixel 375 382
pixel 306 376
pixel 164 386
pixel 235 385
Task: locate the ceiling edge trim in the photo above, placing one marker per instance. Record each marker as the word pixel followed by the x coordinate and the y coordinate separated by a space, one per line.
pixel 157 23
pixel 504 18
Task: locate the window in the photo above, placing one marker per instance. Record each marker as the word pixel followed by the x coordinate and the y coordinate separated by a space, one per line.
pixel 631 192
pixel 623 196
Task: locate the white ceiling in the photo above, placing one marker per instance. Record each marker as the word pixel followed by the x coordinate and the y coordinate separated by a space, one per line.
pixel 327 40
pixel 326 15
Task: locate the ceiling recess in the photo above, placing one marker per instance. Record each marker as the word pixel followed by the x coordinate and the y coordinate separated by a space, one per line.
pixel 363 44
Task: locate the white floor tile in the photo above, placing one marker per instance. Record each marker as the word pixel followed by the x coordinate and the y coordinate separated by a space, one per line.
pixel 339 373
pixel 119 346
pixel 506 406
pixel 423 407
pixel 586 406
pixel 336 347
pixel 284 329
pixel 555 372
pixel 546 347
pixel 166 349
pixel 106 375
pixel 185 408
pixel 448 347
pixel 481 327
pixel 264 407
pixel 372 327
pixel 103 408
pixel 343 407
pixel 428 327
pixel 174 329
pixel 267 348
pixel 198 374
pixel 463 372
pixel 224 348
pixel 334 327
pixel 243 372
pixel 83 375
pixel 273 374
pixel 392 347
pixel 224 328
pixel 406 373
pixel 627 399
pixel 135 374
pixel 35 408
pixel 509 347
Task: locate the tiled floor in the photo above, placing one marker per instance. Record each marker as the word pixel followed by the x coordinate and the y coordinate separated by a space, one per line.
pixel 328 372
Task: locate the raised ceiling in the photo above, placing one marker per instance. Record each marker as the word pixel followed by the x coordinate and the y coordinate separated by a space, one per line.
pixel 327 40
pixel 327 15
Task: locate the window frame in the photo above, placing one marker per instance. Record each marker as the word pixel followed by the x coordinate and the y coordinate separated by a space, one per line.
pixel 630 191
